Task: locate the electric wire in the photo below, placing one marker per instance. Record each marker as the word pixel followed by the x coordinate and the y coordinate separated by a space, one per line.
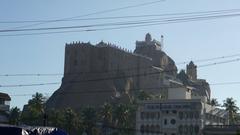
pixel 222 62
pixel 106 78
pixel 95 91
pixel 98 12
pixel 211 12
pixel 209 59
pixel 121 25
pixel 122 69
pixel 145 21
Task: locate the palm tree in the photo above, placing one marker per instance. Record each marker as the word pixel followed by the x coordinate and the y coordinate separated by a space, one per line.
pixel 106 113
pixel 72 122
pixel 34 113
pixel 14 116
pixel 37 102
pixel 89 118
pixel 231 107
pixel 124 115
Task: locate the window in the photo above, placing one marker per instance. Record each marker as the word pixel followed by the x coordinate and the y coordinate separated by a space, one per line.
pixel 158 115
pixel 147 115
pixel 142 115
pixel 191 129
pixel 180 115
pixel 186 115
pixel 180 129
pixel 142 129
pixel 158 129
pixel 173 121
pixel 152 129
pixel 1 102
pixel 196 115
pixel 174 111
pixel 147 129
pixel 152 115
pixel 191 115
pixel 196 129
pixel 165 121
pixel 185 129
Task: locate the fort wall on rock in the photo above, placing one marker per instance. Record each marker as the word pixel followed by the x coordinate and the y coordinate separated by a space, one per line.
pixel 94 74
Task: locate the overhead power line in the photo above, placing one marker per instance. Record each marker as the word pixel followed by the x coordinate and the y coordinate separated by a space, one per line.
pixel 128 69
pixel 108 78
pixel 97 12
pixel 33 84
pixel 211 12
pixel 222 62
pixel 91 91
pixel 12 75
pixel 210 59
pixel 86 80
pixel 145 21
pixel 107 26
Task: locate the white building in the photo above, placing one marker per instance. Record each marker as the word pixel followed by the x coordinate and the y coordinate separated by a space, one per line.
pixel 182 113
pixel 176 117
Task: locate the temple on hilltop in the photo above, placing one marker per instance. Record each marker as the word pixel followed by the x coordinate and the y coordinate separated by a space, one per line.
pixel 94 74
pixel 153 49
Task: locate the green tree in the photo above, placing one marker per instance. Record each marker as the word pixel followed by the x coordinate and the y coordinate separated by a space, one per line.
pixel 106 113
pixel 124 118
pixel 14 116
pixel 89 119
pixel 66 119
pixel 214 102
pixel 106 117
pixel 56 118
pixel 231 107
pixel 33 113
pixel 142 95
pixel 72 121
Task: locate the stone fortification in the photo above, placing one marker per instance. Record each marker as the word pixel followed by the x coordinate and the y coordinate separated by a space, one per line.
pixel 94 74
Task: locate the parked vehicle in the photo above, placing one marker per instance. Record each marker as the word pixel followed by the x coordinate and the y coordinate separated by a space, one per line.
pixel 27 130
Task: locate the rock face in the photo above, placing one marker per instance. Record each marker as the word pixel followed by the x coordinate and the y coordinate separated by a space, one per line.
pixel 94 74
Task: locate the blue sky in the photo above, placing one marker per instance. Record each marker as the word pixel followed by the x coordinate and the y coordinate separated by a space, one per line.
pixel 182 41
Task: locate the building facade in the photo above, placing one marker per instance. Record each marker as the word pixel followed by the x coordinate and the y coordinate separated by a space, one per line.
pixel 176 117
pixel 184 112
pixel 4 107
